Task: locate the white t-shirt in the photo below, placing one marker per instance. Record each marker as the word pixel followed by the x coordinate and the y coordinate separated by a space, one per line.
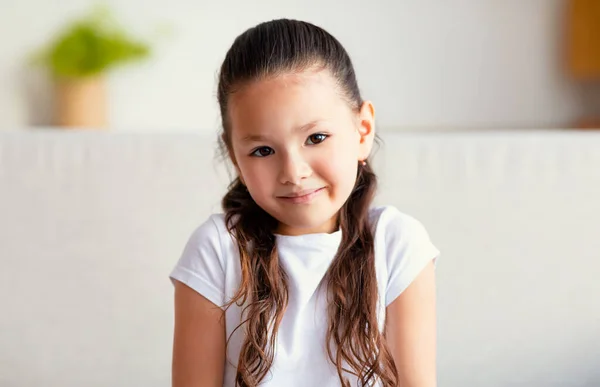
pixel 210 265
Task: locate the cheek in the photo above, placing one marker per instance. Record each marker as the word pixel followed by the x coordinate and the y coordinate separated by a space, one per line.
pixel 258 178
pixel 339 169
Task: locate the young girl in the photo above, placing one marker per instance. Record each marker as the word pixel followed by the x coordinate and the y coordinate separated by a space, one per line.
pixel 301 282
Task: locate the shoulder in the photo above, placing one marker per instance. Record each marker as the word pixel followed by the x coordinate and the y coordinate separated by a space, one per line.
pixel 402 248
pixel 212 230
pixel 209 245
pixel 212 235
pixel 392 224
pixel 206 258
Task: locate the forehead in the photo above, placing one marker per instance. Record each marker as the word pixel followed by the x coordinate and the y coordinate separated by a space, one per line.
pixel 285 101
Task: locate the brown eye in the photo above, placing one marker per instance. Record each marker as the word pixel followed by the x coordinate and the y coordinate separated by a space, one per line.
pixel 316 138
pixel 263 151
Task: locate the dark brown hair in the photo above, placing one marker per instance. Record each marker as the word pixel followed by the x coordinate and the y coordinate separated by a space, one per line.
pixel 269 49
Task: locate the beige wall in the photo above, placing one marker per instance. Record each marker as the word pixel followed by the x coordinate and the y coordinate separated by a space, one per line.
pixel 425 63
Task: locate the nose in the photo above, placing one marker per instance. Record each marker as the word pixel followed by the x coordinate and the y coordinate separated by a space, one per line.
pixel 294 168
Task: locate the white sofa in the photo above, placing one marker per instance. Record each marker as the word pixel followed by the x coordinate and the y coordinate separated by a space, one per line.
pixel 91 223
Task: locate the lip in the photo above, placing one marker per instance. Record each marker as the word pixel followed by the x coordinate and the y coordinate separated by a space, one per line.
pixel 300 197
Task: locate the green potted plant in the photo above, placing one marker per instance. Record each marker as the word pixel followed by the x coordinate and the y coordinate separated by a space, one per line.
pixel 78 60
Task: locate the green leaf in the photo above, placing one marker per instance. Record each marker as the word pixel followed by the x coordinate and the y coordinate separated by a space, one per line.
pixel 91 45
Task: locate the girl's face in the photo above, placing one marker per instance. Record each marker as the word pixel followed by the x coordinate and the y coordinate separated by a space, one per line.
pixel 296 144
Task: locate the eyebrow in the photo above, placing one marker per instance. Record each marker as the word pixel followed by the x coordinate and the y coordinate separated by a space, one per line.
pixel 261 138
pixel 254 138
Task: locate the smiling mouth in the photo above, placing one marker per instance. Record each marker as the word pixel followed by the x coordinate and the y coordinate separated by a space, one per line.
pixel 300 197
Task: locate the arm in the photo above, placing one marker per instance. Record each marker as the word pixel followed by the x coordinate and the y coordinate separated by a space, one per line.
pixel 199 340
pixel 411 331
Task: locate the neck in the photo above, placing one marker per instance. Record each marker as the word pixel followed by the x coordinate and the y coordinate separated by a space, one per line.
pixel 326 228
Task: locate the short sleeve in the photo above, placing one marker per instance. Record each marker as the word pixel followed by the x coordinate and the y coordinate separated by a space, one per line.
pixel 200 266
pixel 408 251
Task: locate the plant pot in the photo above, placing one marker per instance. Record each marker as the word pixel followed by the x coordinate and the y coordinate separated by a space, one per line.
pixel 81 102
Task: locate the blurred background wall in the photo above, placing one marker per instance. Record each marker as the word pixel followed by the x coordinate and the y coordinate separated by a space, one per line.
pixel 460 64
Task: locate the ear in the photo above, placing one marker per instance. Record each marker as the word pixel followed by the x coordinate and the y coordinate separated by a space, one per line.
pixel 366 130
